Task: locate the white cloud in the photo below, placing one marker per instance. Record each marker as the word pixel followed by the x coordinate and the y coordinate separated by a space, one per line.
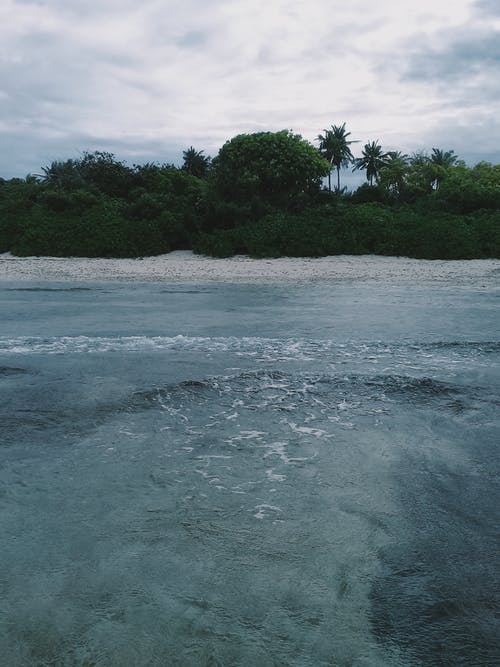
pixel 148 79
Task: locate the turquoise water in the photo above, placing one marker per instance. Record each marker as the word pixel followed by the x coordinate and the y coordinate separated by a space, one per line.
pixel 248 475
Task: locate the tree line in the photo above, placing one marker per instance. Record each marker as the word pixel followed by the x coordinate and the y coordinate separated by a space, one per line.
pixel 264 194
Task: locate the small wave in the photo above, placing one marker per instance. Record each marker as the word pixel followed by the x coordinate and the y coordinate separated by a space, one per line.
pixel 265 510
pixel 259 348
pixel 262 349
pixel 162 394
pixel 99 344
pixel 8 370
pixel 51 289
pixel 260 374
pixel 425 386
pixel 476 346
pixel 185 291
pixel 335 398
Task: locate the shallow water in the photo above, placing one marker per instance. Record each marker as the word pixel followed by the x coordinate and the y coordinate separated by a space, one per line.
pixel 248 475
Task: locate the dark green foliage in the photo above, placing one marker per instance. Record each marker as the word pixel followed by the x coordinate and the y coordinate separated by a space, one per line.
pixel 368 193
pixel 64 175
pixel 17 198
pixel 195 163
pixel 274 167
pixel 464 190
pixel 435 236
pixel 485 226
pixel 173 200
pixel 262 197
pixel 145 211
pixel 102 172
pixel 92 234
pixel 315 232
pixel 370 228
pixel 98 171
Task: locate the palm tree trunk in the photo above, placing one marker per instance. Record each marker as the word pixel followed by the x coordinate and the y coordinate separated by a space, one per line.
pixel 338 179
pixel 330 181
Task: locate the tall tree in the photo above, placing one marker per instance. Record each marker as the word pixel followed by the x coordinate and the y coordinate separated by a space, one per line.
pixel 61 174
pixel 102 171
pixel 334 147
pixel 393 174
pixel 440 162
pixel 419 177
pixel 273 167
pixel 372 160
pixel 444 158
pixel 195 163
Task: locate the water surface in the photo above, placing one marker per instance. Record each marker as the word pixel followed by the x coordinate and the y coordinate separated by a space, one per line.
pixel 248 475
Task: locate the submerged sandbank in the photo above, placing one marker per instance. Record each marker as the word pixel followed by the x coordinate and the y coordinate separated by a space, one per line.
pixel 186 267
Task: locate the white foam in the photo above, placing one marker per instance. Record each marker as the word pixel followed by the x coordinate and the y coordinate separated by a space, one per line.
pixel 307 430
pixel 274 477
pixel 278 449
pixel 263 510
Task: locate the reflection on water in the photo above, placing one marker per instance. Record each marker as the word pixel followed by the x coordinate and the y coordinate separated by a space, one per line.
pixel 174 494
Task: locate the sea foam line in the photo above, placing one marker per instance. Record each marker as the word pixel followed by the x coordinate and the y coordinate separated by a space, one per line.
pixel 288 348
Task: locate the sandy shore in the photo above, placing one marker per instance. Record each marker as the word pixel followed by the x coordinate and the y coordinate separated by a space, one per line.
pixel 185 267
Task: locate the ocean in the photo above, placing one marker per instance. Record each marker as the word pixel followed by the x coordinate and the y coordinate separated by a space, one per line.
pixel 249 475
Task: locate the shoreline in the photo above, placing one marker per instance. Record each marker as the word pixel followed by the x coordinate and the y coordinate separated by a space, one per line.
pixel 182 266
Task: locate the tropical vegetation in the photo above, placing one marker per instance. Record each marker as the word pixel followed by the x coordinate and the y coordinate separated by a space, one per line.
pixel 372 160
pixel 263 194
pixel 335 148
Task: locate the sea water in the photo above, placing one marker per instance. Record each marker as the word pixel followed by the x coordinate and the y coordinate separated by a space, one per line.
pixel 248 475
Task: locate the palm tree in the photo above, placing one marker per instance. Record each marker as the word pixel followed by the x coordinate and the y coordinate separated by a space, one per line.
pixel 372 160
pixel 419 178
pixel 195 163
pixel 393 175
pixel 440 162
pixel 334 147
pixel 443 158
pixel 61 174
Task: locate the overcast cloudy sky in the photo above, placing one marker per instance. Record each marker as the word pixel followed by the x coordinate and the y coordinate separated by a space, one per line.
pixel 146 79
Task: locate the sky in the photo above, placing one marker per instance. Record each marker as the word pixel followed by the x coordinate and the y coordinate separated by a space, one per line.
pixel 147 79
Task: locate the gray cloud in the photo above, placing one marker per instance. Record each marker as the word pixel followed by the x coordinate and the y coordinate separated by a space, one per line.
pixel 464 56
pixel 151 78
pixel 461 67
pixel 475 137
pixel 488 7
pixel 31 157
pixel 192 39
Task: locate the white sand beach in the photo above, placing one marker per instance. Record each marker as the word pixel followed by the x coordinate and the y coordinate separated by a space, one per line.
pixel 186 267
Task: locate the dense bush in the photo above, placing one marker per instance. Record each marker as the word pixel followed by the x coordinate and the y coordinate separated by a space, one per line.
pixel 260 197
pixel 273 167
pixel 71 212
pixel 361 229
pixel 466 190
